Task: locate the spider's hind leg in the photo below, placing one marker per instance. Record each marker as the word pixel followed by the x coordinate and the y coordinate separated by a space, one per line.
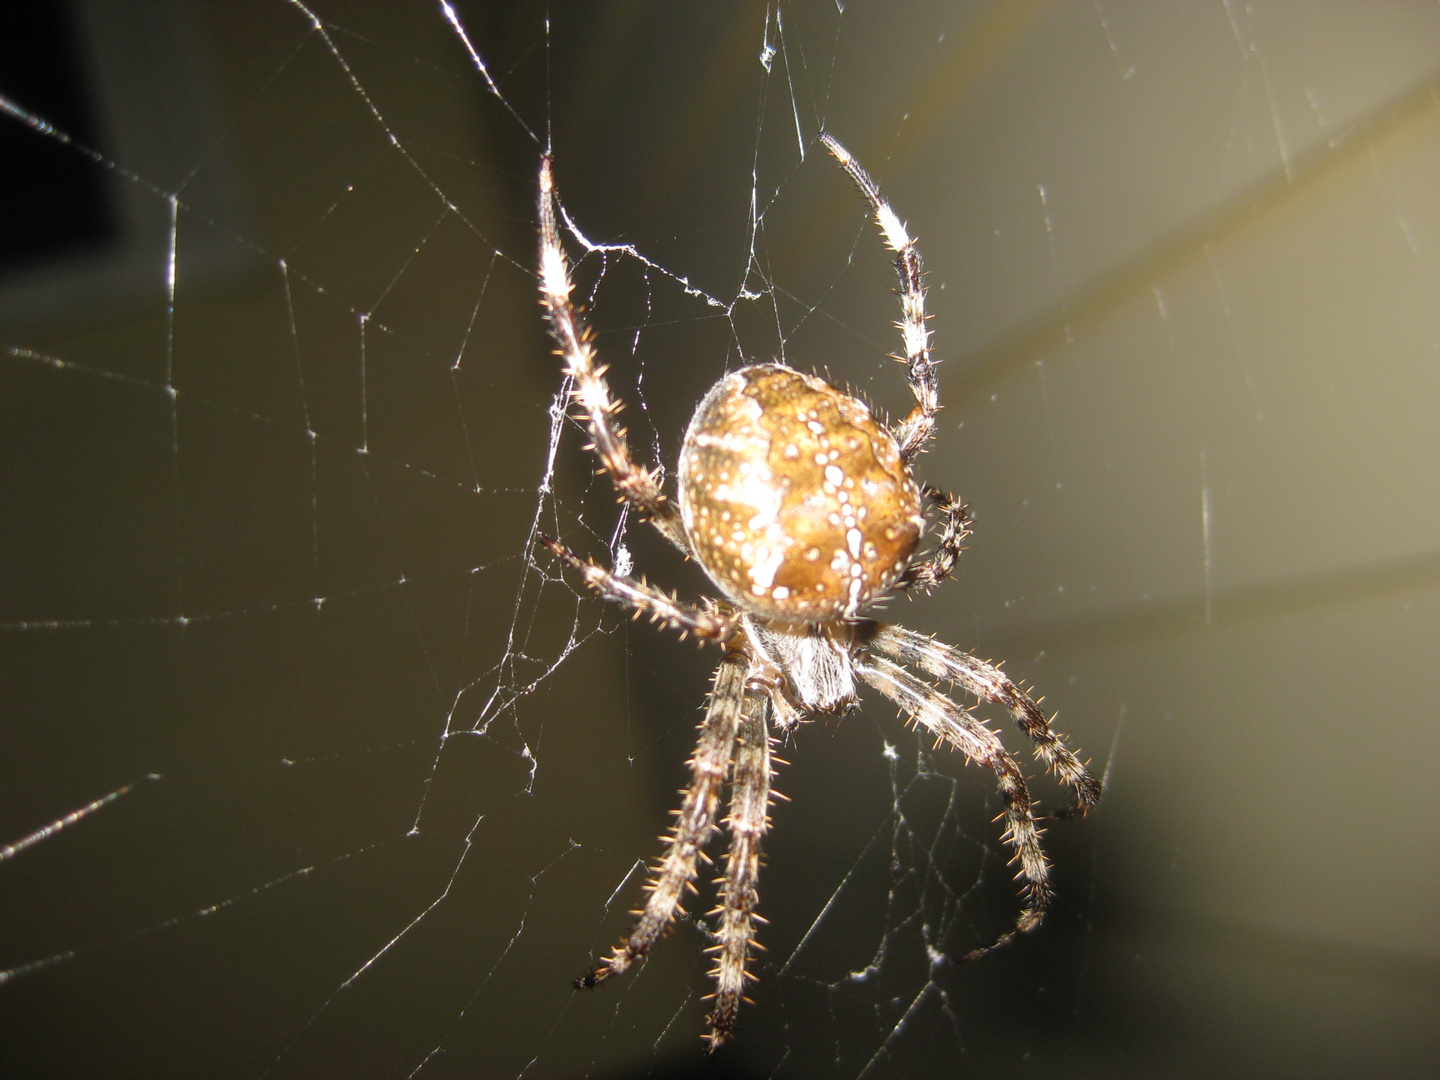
pixel 637 486
pixel 915 430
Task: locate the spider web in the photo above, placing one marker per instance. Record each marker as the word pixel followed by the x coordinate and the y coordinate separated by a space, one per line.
pixel 317 768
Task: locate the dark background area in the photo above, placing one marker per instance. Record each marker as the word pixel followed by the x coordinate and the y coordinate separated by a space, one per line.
pixel 58 201
pixel 383 781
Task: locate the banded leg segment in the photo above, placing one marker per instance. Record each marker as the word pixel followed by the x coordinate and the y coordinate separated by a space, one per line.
pixel 932 571
pixel 748 821
pixel 990 684
pixel 694 825
pixel 915 430
pixel 644 599
pixel 638 486
pixel 953 724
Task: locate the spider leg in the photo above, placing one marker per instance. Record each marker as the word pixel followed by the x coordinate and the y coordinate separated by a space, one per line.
pixel 644 599
pixel 748 821
pixel 638 486
pixel 955 725
pixel 928 573
pixel 989 683
pixel 915 430
pixel 694 824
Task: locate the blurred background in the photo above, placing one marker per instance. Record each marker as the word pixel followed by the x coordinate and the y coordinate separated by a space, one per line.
pixel 311 766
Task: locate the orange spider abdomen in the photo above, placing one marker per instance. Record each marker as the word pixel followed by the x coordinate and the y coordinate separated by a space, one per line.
pixel 795 499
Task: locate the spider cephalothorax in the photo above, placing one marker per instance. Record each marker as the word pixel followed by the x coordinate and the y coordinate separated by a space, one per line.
pixel 804 512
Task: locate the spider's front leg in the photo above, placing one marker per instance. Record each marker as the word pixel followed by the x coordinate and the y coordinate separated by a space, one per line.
pixel 989 683
pixel 748 822
pixel 955 725
pixel 694 824
pixel 637 486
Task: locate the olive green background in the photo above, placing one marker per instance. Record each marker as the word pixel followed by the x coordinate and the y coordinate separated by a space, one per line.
pixel 265 540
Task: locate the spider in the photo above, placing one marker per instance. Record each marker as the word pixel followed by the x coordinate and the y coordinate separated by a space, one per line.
pixel 804 511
